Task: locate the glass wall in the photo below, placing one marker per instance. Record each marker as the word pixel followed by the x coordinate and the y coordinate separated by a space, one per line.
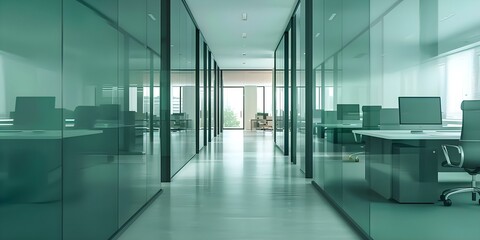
pixel 367 54
pixel 211 91
pixel 201 97
pixel 300 84
pixel 182 124
pixel 30 84
pixel 280 114
pixel 80 152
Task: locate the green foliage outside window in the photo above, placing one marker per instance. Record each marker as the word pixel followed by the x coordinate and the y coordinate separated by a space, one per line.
pixel 230 120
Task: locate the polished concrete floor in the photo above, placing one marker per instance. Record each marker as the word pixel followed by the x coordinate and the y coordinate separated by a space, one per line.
pixel 240 187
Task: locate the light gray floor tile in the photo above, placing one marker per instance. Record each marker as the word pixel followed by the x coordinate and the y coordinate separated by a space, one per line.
pixel 240 187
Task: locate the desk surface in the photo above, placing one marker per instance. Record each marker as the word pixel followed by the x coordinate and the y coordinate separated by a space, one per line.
pixel 408 135
pixel 44 134
pixel 339 125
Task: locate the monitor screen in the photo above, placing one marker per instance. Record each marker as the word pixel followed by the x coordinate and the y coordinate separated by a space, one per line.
pixel 348 112
pixel 36 113
pixel 420 110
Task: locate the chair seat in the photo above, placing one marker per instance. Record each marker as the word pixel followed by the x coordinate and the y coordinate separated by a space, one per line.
pixel 471 171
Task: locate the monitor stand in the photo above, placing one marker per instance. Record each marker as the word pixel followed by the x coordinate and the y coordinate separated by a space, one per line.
pixel 416 131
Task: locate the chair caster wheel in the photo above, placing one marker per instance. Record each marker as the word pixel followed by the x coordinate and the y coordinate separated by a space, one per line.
pixel 447 203
pixel 442 197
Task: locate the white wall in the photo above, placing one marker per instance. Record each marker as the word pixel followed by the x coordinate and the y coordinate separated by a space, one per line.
pixel 247 78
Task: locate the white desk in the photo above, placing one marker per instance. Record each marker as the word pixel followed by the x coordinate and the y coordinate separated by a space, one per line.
pixel 254 123
pixel 44 134
pixel 339 125
pixel 31 161
pixel 407 135
pixel 404 166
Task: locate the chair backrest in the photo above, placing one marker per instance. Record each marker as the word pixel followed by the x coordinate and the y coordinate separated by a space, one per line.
pixel 85 117
pixel 330 117
pixel 471 119
pixel 470 139
pixel 371 117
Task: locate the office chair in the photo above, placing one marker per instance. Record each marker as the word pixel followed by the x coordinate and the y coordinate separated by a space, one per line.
pixel 85 117
pixel 468 150
pixel 371 121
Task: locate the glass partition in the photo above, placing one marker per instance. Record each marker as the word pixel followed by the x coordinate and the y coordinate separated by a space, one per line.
pixel 280 95
pixel 201 98
pixel 368 54
pixel 78 116
pixel 182 123
pixel 300 84
pixel 31 109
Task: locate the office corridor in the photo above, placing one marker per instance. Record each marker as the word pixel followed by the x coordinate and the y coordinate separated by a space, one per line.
pixel 240 187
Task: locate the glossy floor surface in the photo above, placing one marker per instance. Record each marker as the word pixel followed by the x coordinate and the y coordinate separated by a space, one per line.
pixel 240 187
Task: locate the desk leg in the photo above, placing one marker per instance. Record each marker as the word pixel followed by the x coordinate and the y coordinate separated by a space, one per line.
pixel 378 165
pixel 415 176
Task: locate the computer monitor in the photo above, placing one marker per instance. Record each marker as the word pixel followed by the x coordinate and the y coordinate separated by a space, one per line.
pixel 261 115
pixel 348 112
pixel 389 116
pixel 36 113
pixel 178 116
pixel 423 111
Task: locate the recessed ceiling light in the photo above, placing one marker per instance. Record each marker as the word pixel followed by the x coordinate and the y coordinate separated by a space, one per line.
pixel 332 16
pixel 244 35
pixel 243 63
pixel 244 16
pixel 317 35
pixel 244 54
pixel 152 17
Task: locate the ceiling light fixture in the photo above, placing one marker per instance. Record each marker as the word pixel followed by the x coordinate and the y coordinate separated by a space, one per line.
pixel 244 16
pixel 332 16
pixel 244 54
pixel 152 17
pixel 244 35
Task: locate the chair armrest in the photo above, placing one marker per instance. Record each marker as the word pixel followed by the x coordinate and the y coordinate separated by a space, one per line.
pixel 357 137
pixel 447 156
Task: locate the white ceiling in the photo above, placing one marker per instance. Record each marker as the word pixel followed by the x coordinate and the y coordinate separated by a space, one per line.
pixel 222 26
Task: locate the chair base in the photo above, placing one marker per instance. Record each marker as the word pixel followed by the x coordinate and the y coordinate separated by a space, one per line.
pixel 355 156
pixel 445 197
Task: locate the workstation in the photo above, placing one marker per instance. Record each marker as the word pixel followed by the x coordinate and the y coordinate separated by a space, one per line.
pixel 401 161
pixel 50 155
pixel 262 121
pixel 394 161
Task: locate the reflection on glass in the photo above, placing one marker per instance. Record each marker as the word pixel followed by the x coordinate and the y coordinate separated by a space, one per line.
pixel 368 53
pixel 30 120
pixel 300 82
pixel 280 113
pixel 183 99
pixel 79 154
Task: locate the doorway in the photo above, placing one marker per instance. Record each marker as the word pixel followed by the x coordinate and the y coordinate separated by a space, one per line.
pixel 233 108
